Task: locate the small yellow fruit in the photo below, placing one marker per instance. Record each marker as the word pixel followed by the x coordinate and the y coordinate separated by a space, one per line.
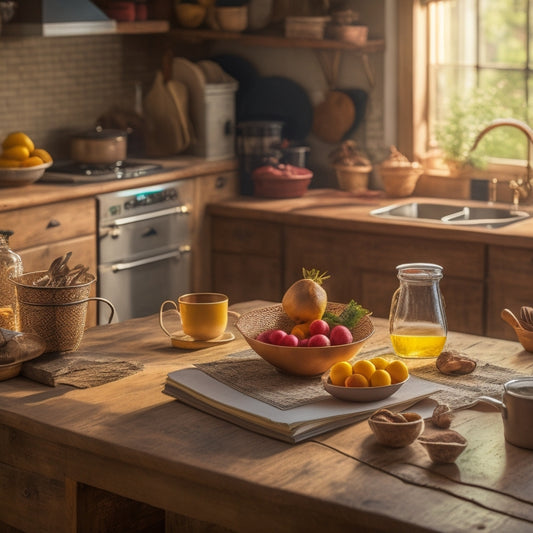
pixel 16 152
pixel 9 163
pixel 356 380
pixel 364 367
pixel 339 372
pixel 43 154
pixel 380 378
pixel 301 330
pixel 398 371
pixel 31 162
pixel 17 138
pixel 379 362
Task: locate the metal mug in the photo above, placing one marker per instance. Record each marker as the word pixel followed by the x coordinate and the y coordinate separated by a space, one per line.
pixel 517 411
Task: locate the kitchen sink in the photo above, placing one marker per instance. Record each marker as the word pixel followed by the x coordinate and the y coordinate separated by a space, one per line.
pixel 454 215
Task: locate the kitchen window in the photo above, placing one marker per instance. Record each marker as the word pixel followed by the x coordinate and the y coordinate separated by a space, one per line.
pixel 473 56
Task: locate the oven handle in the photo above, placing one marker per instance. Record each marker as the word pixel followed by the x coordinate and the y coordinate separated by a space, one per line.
pixel 180 210
pixel 162 257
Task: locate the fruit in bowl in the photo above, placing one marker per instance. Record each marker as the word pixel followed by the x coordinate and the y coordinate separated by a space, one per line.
pixel 20 162
pixel 296 359
pixel 305 334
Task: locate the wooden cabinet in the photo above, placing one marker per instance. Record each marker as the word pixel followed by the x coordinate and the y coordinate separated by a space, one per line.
pixel 48 231
pixel 509 285
pixel 363 267
pixel 246 259
pixel 208 189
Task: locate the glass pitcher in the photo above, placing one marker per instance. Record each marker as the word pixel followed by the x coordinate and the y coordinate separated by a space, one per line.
pixel 417 321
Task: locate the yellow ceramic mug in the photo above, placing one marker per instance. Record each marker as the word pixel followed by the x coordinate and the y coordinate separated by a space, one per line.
pixel 203 315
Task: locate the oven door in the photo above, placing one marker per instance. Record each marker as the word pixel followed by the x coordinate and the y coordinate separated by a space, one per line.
pixel 138 288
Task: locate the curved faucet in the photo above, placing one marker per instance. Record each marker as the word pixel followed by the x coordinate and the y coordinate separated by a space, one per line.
pixel 517 186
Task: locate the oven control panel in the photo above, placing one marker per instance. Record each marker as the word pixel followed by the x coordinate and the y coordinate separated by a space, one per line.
pixel 133 202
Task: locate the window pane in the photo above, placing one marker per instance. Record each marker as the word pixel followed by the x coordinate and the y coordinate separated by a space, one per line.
pixel 503 33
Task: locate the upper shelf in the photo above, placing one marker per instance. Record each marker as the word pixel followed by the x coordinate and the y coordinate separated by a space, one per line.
pixel 276 40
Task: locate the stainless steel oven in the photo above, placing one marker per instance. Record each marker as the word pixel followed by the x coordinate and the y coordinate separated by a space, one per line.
pixel 144 250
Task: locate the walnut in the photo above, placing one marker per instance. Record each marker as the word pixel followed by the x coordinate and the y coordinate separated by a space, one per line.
pixel 384 415
pixel 442 416
pixel 455 364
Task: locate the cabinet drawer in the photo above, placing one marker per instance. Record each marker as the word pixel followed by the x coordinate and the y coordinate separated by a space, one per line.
pixel 49 223
pixel 457 260
pixel 510 266
pixel 246 236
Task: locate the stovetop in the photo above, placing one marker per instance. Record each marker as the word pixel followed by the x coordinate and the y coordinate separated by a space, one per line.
pixel 72 172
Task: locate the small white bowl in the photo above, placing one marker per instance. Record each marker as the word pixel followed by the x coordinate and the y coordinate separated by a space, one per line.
pixel 360 394
pixel 18 177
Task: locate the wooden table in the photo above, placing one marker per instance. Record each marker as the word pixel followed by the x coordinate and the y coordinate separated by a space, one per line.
pixel 125 457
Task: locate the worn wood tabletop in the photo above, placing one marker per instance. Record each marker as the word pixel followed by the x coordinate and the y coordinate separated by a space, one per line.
pixel 128 438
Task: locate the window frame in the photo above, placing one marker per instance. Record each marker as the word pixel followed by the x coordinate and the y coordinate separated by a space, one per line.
pixel 412 83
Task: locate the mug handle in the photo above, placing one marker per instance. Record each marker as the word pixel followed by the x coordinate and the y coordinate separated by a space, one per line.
pixel 234 315
pixel 161 310
pixel 112 309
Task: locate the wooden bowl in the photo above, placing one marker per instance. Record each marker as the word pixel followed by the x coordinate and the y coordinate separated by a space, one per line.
pixel 299 361
pixel 524 336
pixel 397 434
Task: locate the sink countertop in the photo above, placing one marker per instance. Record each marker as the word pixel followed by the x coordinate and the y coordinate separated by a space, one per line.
pixel 335 209
pixel 180 167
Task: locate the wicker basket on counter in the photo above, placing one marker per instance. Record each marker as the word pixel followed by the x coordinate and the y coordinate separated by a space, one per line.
pixel 56 314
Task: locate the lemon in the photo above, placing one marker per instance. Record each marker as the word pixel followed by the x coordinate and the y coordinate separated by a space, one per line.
pixel 398 371
pixel 32 161
pixel 17 138
pixel 356 380
pixel 379 362
pixel 364 367
pixel 380 378
pixel 339 372
pixel 42 154
pixel 17 152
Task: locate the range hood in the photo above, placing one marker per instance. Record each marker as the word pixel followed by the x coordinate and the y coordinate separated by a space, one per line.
pixel 55 18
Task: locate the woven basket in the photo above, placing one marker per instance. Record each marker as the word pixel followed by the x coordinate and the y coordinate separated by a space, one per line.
pixel 56 314
pixel 353 179
pixel 400 181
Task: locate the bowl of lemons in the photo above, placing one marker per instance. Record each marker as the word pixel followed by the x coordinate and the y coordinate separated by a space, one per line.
pixel 21 163
pixel 365 380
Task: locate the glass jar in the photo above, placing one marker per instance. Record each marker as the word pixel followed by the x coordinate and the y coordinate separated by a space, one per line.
pixel 10 266
pixel 417 321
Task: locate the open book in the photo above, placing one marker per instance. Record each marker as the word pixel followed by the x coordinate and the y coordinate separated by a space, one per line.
pixel 197 388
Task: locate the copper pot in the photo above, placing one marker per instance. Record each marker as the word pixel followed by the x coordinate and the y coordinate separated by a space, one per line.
pixel 99 146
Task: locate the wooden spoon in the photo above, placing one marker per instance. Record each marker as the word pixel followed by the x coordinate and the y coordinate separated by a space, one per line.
pixel 509 317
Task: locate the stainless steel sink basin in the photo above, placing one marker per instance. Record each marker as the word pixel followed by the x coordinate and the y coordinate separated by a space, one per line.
pixel 455 215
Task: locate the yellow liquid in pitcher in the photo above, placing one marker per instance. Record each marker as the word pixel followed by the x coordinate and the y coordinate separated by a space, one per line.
pixel 418 343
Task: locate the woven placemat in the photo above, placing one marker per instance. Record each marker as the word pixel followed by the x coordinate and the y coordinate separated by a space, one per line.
pixel 459 392
pixel 79 369
pixel 248 373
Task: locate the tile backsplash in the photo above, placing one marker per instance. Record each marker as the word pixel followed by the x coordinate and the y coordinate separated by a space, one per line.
pixel 52 87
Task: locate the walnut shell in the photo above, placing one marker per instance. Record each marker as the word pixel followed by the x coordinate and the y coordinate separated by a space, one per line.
pixel 442 416
pixel 454 363
pixel 444 447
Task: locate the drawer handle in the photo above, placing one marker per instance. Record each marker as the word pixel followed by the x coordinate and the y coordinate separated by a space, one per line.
pixel 53 223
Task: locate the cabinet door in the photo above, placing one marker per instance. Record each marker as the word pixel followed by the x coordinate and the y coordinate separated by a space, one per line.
pixel 246 259
pixel 509 285
pixel 326 250
pixel 208 189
